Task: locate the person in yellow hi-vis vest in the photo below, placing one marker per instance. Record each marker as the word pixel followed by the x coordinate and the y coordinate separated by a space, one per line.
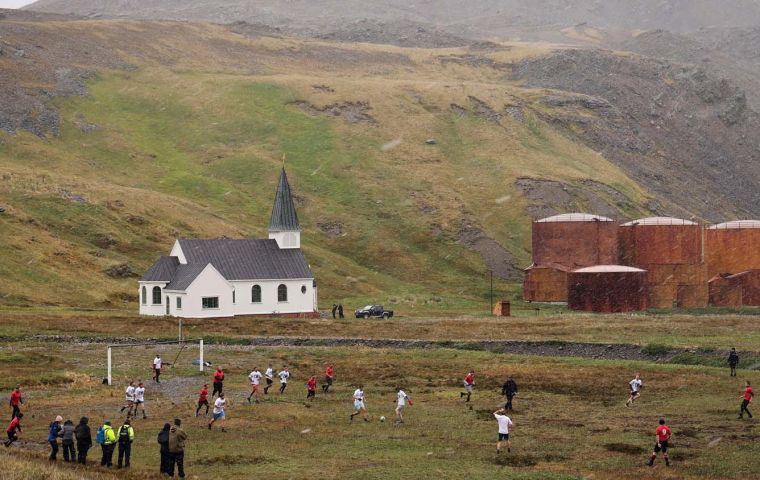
pixel 125 437
pixel 107 439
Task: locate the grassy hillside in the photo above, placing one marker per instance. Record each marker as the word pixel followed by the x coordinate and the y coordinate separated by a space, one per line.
pixel 186 134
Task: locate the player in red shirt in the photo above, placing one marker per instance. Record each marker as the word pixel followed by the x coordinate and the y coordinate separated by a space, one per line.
pixel 329 371
pixel 311 388
pixel 218 381
pixel 202 400
pixel 16 402
pixel 12 428
pixel 469 381
pixel 746 400
pixel 663 435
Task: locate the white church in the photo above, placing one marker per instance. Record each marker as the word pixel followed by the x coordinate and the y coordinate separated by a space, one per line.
pixel 226 277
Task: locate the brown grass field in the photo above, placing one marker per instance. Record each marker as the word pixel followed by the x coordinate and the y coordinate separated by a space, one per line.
pixel 570 418
pixel 677 330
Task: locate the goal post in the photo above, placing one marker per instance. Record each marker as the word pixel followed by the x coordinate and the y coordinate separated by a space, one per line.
pixel 183 344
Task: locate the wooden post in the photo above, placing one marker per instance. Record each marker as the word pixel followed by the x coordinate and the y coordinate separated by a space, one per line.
pixel 109 365
pixel 200 344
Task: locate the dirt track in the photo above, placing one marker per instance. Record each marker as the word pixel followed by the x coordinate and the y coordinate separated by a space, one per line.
pixel 601 351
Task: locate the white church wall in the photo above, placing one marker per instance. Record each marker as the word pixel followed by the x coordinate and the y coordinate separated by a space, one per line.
pixel 286 239
pixel 298 301
pixel 209 283
pixel 148 307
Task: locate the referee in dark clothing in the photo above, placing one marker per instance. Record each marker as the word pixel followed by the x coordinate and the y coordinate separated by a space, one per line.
pixel 510 390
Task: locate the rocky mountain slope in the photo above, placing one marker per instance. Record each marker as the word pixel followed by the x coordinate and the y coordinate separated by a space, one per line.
pixel 484 17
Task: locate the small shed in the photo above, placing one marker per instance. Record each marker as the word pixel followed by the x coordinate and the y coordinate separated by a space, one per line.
pixel 608 288
pixel 502 308
pixel 546 283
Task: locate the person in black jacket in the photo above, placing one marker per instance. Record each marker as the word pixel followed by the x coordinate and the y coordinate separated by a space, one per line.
pixel 166 458
pixel 510 390
pixel 733 361
pixel 340 311
pixel 84 439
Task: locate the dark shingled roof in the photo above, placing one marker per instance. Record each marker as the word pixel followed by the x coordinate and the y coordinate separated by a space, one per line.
pixel 185 275
pixel 247 259
pixel 284 216
pixel 161 271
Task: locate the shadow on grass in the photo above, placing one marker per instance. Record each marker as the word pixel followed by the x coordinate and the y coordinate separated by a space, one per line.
pixel 626 448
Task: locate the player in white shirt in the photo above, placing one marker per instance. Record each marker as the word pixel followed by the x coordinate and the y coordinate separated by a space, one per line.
pixel 401 400
pixel 505 424
pixel 157 364
pixel 269 377
pixel 359 406
pixel 129 396
pixel 140 399
pixel 636 385
pixel 219 411
pixel 284 376
pixel 255 377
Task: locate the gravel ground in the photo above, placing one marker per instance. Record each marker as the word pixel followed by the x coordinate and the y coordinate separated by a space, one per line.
pixel 614 351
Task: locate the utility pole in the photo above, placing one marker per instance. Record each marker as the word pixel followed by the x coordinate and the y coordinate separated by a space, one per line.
pixel 180 330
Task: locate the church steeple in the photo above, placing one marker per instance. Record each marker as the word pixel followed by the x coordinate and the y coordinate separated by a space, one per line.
pixel 284 226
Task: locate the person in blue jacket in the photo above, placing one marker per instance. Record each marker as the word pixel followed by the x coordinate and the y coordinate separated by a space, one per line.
pixel 54 432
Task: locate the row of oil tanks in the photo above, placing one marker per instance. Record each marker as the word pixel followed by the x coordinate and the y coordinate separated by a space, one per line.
pixel 595 264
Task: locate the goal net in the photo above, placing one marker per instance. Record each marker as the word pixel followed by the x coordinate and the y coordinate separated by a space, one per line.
pixel 134 361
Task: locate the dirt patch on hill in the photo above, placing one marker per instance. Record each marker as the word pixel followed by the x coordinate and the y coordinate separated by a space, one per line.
pixel 351 112
pixel 497 258
pixel 548 197
pixel 402 33
pixel 473 60
pixel 331 229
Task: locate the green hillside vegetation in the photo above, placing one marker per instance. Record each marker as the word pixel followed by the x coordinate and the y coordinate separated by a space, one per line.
pixel 192 148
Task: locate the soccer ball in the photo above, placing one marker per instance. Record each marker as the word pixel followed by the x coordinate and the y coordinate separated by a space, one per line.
pixel 382 418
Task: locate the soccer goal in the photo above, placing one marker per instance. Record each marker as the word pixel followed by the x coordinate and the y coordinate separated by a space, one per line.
pixel 170 356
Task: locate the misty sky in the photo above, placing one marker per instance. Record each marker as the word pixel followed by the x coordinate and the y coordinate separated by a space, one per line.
pixel 14 3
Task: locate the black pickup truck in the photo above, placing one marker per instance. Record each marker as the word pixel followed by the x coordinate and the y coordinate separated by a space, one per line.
pixel 376 311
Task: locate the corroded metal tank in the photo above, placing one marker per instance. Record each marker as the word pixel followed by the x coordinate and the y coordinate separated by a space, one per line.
pixel 732 247
pixel 575 240
pixel 608 288
pixel 545 283
pixel 660 241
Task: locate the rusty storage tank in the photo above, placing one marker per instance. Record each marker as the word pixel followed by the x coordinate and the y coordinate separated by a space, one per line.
pixel 607 288
pixel 732 247
pixel 575 240
pixel 749 282
pixel 724 292
pixel 546 283
pixel 660 241
pixel 670 250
